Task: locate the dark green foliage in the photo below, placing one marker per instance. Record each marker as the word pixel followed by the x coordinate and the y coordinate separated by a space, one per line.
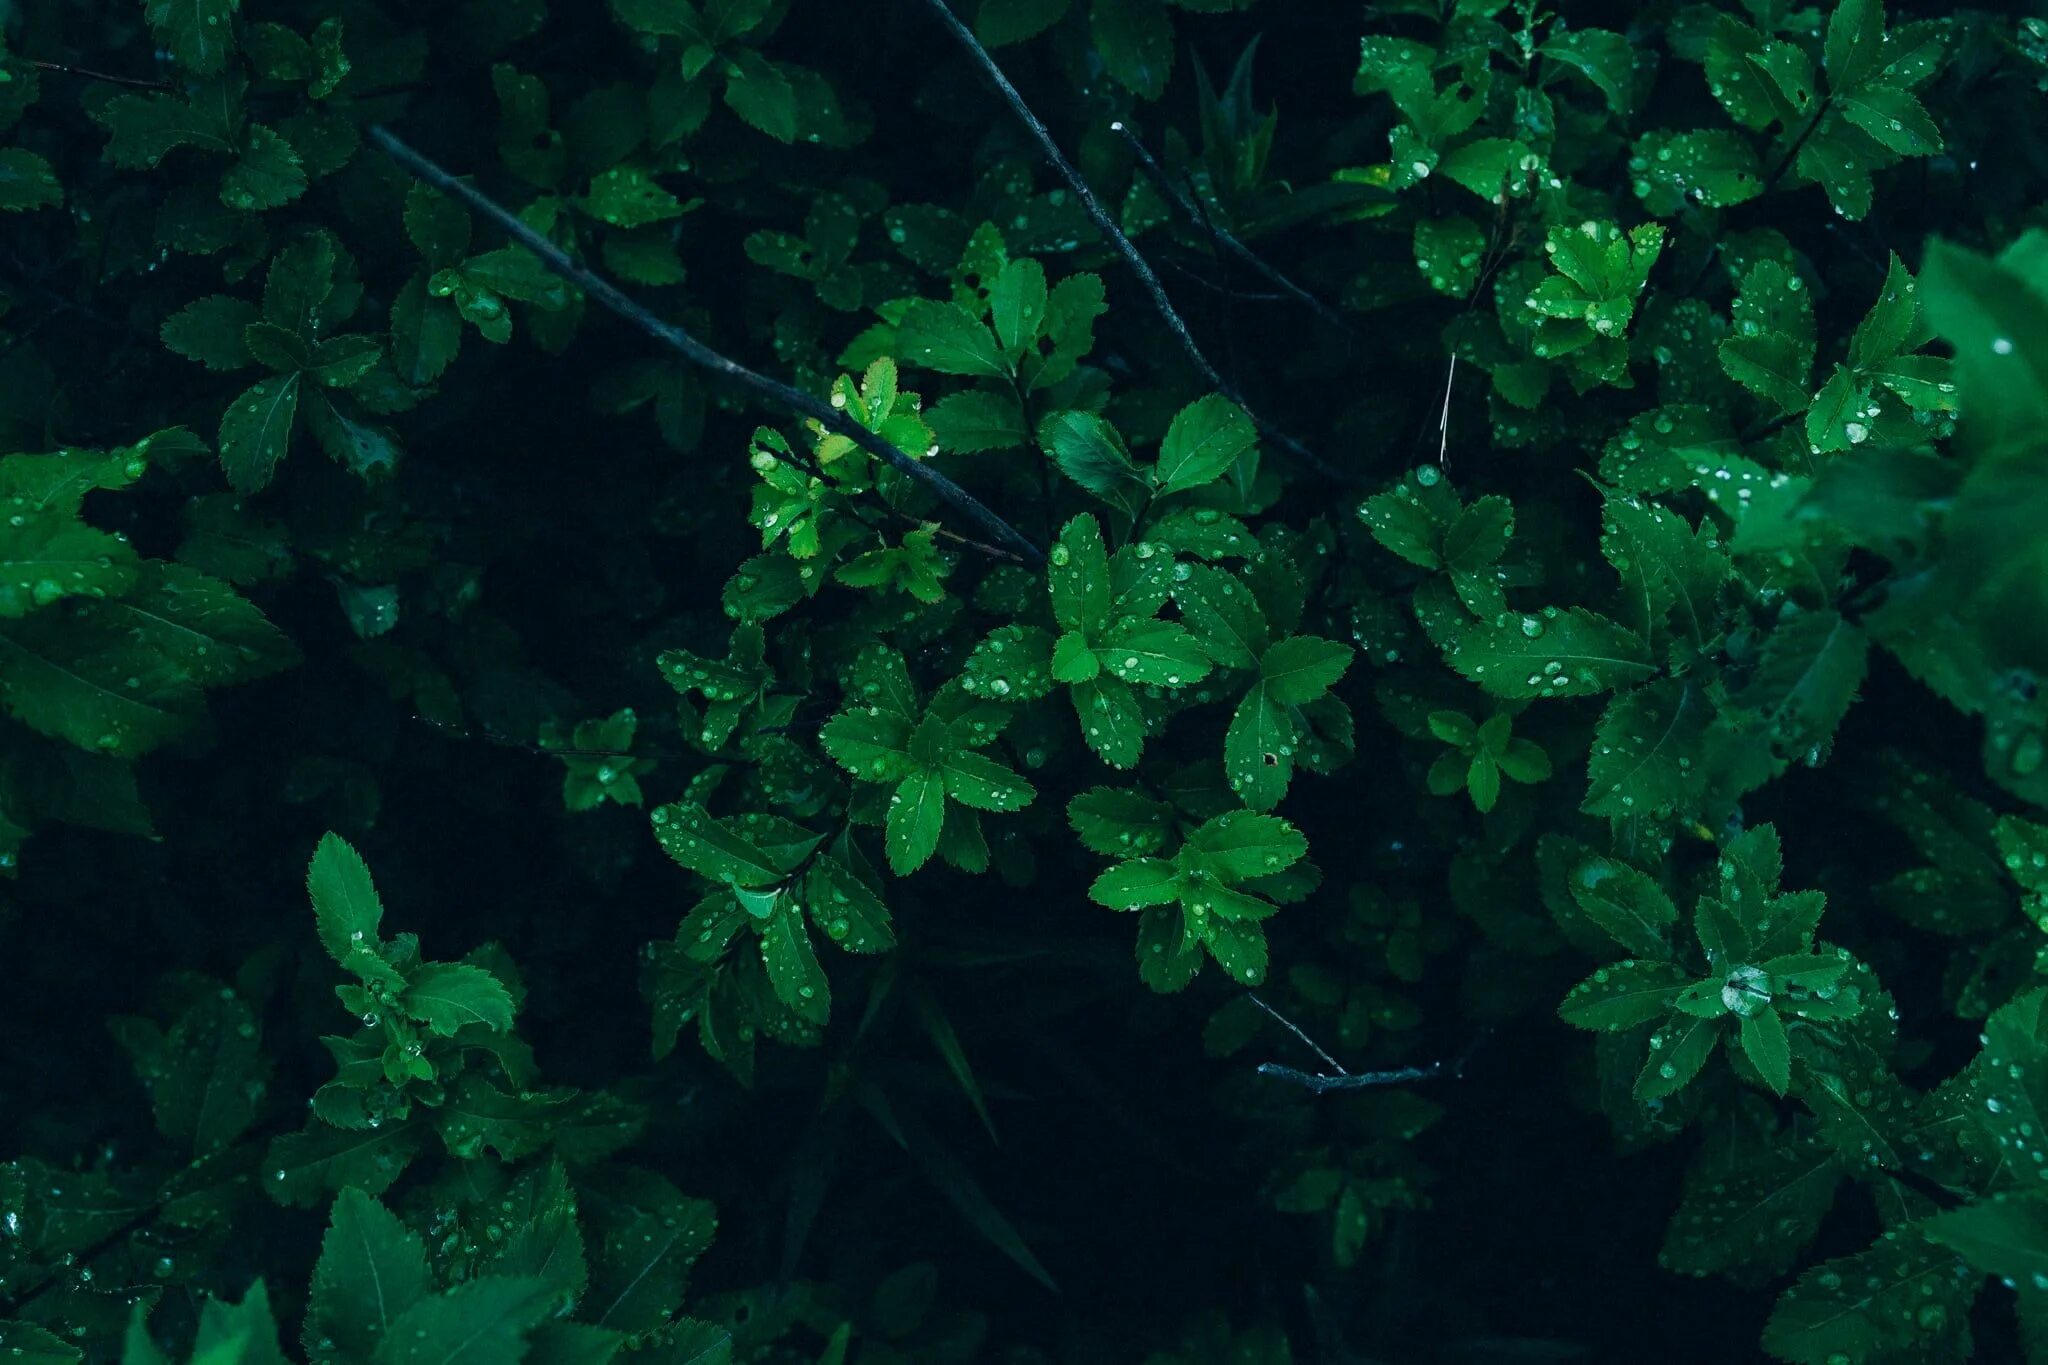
pixel 1603 616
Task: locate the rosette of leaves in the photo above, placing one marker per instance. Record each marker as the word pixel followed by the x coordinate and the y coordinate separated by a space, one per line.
pixel 434 1052
pixel 1210 896
pixel 1763 974
pixel 921 770
pixel 1481 756
pixel 598 760
pixel 310 289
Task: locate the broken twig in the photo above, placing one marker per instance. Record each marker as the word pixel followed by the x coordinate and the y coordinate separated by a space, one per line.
pixel 1222 236
pixel 696 352
pixel 1114 235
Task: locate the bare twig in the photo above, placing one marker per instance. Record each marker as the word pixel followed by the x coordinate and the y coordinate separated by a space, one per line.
pixel 1114 235
pixel 1295 1029
pixel 697 353
pixel 1337 1078
pixel 1222 236
pixel 89 74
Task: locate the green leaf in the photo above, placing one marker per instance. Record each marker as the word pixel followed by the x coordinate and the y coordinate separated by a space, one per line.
pixel 199 34
pixel 1239 949
pixel 301 1169
pixel 1905 1296
pixel 1120 822
pixel 87 681
pixel 27 182
pixel 1888 326
pixel 917 811
pixel 1646 752
pixel 1572 653
pixel 208 1078
pixel 1995 315
pixel 1223 615
pixel 48 556
pixel 1017 301
pixel 1855 43
pixel 1238 846
pixel 978 781
pixel 717 850
pixel 372 1268
pixel 1603 57
pixel 346 910
pixel 1755 1211
pixel 1666 567
pixel 1623 995
pixel 869 743
pixel 1140 882
pixel 267 173
pixel 40 1347
pixel 1627 905
pixel 628 196
pixel 1089 451
pixel 947 338
pixel 846 910
pixel 999 23
pixel 792 966
pixel 649 1234
pixel 447 996
pixel 478 1321
pixel 1301 668
pixel 1077 574
pixel 1205 439
pixel 1714 169
pixel 2005 1236
pixel 1764 1043
pixel 1677 1052
pixel 1135 41
pixel 976 420
pixel 760 93
pixel 1258 749
pixel 1152 653
pixel 209 330
pixel 1894 119
pixel 256 431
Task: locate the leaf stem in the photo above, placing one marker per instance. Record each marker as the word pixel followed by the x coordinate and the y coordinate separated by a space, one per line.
pixel 1114 235
pixel 696 352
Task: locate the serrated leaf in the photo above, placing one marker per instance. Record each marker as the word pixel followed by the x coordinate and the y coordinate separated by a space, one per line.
pixel 1574 653
pixel 1205 439
pixel 1904 1295
pixel 1763 1041
pixel 1678 1050
pixel 947 338
pixel 1647 752
pixel 1258 749
pixel 1135 41
pixel 1301 668
pixel 199 34
pixel 372 1268
pixel 1623 995
pixel 1626 904
pixel 1239 846
pixel 448 996
pixel 256 432
pixel 1089 451
pixel 917 812
pixel 1120 822
pixel 976 420
pixel 485 1319
pixel 792 965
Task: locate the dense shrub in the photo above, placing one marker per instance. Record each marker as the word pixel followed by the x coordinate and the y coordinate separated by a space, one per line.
pixel 1524 567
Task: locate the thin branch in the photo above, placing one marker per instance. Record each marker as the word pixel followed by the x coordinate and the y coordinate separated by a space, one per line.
pixel 697 353
pixel 1196 277
pixel 135 81
pixel 1147 277
pixel 1222 236
pixel 1337 1078
pixel 1295 1029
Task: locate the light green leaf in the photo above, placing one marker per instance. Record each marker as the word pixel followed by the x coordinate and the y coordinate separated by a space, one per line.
pixel 1017 302
pixel 917 812
pixel 346 910
pixel 1238 846
pixel 1152 653
pixel 1764 1043
pixel 1089 451
pixel 1855 43
pixel 792 965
